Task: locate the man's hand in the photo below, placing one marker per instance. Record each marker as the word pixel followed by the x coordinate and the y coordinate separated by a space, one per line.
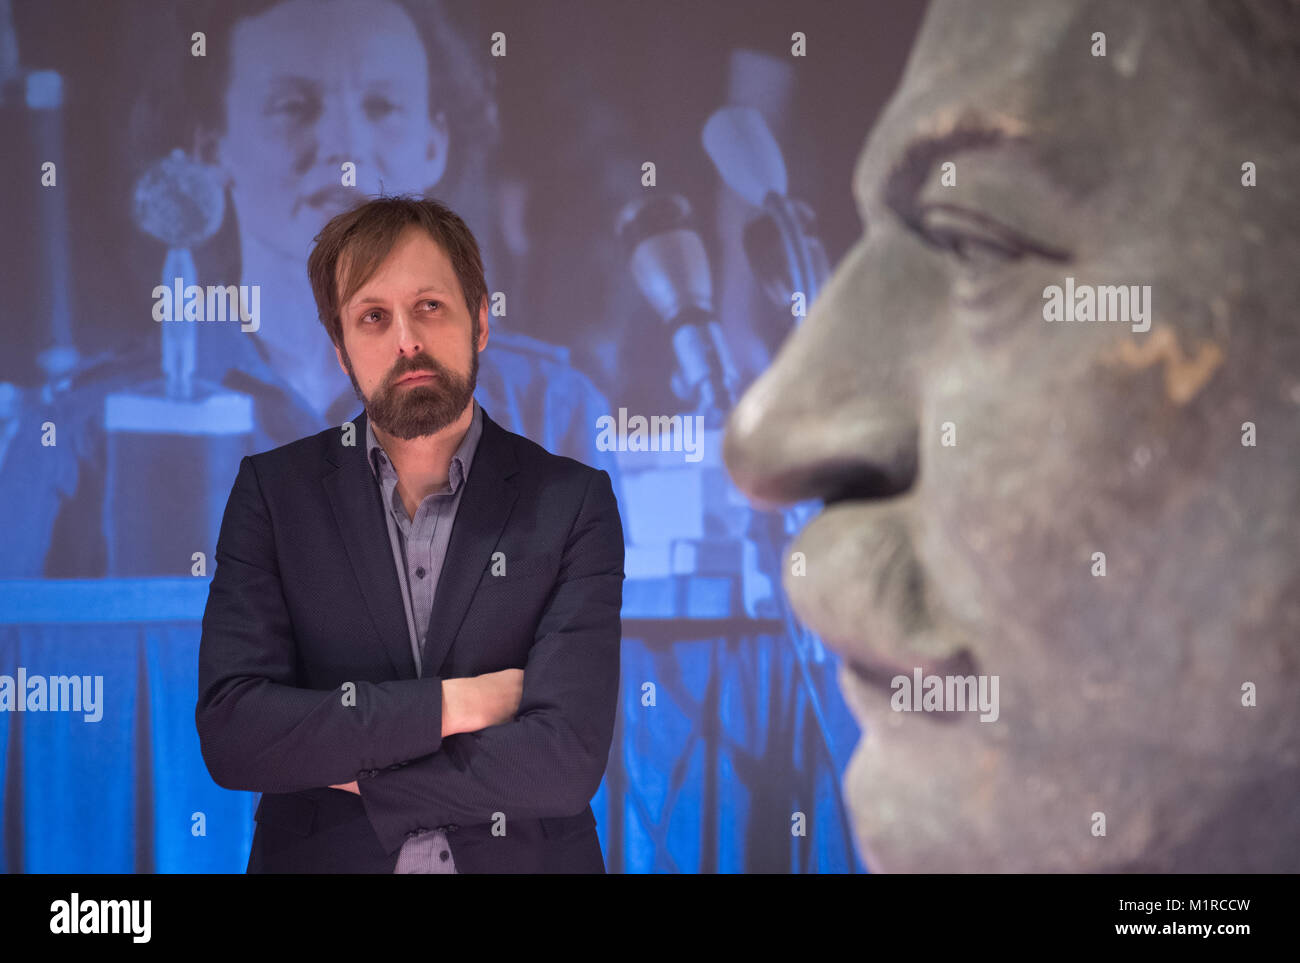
pixel 491 699
pixel 469 705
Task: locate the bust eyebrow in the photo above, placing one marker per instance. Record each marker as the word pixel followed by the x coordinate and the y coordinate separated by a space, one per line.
pixel 911 171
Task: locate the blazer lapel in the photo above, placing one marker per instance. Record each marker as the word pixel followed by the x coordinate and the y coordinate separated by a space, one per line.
pixel 485 505
pixel 358 508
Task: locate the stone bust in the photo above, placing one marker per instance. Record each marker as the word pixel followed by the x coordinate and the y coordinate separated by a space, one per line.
pixel 1051 401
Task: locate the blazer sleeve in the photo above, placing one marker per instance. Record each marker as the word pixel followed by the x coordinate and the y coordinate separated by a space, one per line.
pixel 257 729
pixel 550 760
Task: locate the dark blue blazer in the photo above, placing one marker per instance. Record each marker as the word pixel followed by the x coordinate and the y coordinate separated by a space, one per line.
pixel 306 677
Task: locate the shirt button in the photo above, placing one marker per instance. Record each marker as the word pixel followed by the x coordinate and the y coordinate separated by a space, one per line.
pixel 419 573
pixel 444 855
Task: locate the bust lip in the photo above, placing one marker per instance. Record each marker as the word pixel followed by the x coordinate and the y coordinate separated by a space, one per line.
pixel 880 674
pixel 870 598
pixel 416 375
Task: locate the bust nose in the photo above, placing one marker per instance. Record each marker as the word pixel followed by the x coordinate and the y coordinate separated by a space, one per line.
pixel 833 417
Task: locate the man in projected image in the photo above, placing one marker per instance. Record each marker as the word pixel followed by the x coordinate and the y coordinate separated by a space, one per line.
pixel 299 88
pixel 289 92
pixel 305 88
pixel 377 594
pixel 1104 516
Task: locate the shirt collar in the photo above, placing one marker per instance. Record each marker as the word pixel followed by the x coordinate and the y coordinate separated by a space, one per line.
pixel 457 472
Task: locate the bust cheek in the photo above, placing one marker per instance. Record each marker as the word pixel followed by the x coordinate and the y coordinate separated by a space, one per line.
pixel 1183 372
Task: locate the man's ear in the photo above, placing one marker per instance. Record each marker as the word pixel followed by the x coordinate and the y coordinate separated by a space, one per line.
pixel 435 152
pixel 208 149
pixel 483 324
pixel 339 354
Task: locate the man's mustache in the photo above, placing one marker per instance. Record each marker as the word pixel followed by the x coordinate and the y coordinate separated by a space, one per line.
pixel 408 366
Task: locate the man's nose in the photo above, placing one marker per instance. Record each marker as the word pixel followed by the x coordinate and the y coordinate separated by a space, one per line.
pixel 408 335
pixel 341 128
pixel 834 416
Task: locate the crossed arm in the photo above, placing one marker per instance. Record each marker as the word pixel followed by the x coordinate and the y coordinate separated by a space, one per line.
pixel 474 703
pixel 549 760
pixel 260 732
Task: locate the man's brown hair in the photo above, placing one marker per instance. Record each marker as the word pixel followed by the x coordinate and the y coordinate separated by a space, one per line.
pixel 360 240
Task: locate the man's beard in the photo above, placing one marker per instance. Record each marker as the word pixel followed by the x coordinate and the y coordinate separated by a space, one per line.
pixel 422 409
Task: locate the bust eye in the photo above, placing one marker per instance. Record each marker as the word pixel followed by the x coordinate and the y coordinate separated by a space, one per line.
pixel 981 252
pixel 981 247
pixel 976 240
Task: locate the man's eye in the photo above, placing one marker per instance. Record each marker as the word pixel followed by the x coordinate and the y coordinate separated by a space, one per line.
pixel 377 108
pixel 297 108
pixel 368 315
pixel 434 303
